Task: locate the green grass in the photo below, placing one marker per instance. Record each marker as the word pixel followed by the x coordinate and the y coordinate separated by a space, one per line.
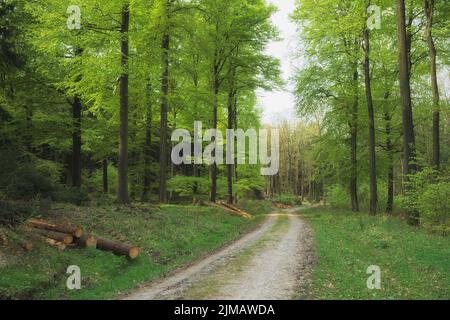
pixel 414 263
pixel 169 238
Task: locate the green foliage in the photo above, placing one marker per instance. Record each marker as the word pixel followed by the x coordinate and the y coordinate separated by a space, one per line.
pixel 70 195
pixel 94 182
pixel 338 197
pixel 29 181
pixel 188 186
pixel 434 206
pixel 287 199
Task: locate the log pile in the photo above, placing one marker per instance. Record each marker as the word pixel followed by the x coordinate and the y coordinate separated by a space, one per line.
pixel 62 236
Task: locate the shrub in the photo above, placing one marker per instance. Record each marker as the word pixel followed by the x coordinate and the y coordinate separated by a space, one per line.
pixel 28 181
pixel 288 199
pixel 70 195
pixel 338 197
pixel 188 186
pixel 434 206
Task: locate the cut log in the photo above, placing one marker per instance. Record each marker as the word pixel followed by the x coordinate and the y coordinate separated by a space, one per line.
pixel 41 224
pixel 87 241
pixel 58 236
pixel 118 248
pixel 57 244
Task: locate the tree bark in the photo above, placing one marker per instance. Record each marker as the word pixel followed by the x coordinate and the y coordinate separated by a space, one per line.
pixel 118 248
pixel 87 241
pixel 76 137
pixel 230 125
pixel 370 109
pixel 163 126
pixel 147 153
pixel 429 12
pixel 354 146
pixel 122 194
pixel 213 166
pixel 105 176
pixel 390 155
pixel 405 91
pixel 40 224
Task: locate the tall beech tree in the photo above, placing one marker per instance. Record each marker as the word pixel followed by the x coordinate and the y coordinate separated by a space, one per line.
pixel 122 193
pixel 404 59
pixel 371 113
pixel 429 14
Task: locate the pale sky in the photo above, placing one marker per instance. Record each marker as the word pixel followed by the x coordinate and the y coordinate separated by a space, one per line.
pixel 279 105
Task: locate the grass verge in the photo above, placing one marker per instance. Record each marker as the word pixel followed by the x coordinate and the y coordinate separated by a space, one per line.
pixel 414 263
pixel 169 237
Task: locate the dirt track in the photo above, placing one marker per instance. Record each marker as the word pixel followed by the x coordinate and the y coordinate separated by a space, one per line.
pixel 272 262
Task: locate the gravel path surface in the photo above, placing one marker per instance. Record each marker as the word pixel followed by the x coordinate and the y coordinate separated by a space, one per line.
pixel 272 262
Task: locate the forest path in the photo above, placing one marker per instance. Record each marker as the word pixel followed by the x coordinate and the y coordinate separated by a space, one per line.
pixel 271 262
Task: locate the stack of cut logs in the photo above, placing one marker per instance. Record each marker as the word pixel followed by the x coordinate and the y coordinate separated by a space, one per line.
pixel 63 236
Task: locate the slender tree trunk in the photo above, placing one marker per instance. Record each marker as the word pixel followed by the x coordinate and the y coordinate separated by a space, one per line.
pixel 429 12
pixel 76 142
pixel 172 165
pixel 147 152
pixel 213 166
pixel 163 126
pixel 354 146
pixel 405 91
pixel 230 167
pixel 370 109
pixel 409 166
pixel 390 155
pixel 76 134
pixel 235 113
pixel 122 194
pixel 105 176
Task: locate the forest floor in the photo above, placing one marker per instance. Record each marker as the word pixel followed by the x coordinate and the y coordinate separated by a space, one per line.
pixel 414 263
pixel 170 237
pixel 273 262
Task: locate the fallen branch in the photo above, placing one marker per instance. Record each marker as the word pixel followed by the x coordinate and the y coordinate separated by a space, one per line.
pixel 240 211
pixel 226 208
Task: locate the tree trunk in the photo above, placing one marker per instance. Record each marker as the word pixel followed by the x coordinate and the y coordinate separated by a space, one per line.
pixel 409 166
pixel 370 109
pixel 88 241
pixel 163 126
pixel 213 166
pixel 105 176
pixel 172 165
pixel 230 167
pixel 354 147
pixel 147 153
pixel 41 224
pixel 429 12
pixel 122 194
pixel 76 143
pixel 118 248
pixel 405 91
pixel 390 154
